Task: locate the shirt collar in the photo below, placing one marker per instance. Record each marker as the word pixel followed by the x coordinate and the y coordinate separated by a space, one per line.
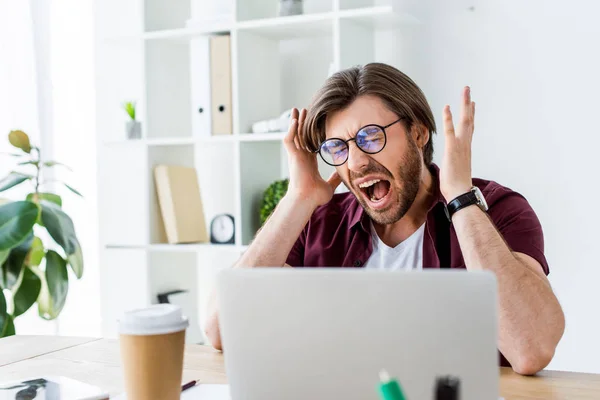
pixel 358 214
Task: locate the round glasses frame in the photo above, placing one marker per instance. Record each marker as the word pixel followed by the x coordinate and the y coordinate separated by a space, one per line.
pixel 383 128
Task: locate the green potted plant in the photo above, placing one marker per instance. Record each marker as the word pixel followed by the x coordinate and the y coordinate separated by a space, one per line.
pixel 37 242
pixel 133 126
pixel 271 197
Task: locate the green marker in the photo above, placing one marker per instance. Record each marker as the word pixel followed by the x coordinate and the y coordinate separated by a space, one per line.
pixel 389 389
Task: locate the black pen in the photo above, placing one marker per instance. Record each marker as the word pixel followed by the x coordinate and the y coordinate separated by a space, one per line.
pixel 188 385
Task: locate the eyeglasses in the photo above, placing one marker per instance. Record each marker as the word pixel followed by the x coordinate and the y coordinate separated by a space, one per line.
pixel 370 139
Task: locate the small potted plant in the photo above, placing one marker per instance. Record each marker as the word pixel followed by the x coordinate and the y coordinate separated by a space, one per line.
pixel 273 194
pixel 133 127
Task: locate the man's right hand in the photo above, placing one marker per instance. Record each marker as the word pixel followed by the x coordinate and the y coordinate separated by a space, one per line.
pixel 306 183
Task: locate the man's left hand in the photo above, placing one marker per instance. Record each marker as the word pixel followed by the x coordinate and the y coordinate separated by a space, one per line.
pixel 455 174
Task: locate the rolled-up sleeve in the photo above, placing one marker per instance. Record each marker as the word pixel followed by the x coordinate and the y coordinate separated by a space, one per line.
pixel 519 225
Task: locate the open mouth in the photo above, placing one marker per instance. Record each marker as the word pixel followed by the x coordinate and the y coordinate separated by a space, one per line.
pixel 375 190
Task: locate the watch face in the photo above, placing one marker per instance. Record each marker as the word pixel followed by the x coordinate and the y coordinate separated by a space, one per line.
pixel 480 199
pixel 222 229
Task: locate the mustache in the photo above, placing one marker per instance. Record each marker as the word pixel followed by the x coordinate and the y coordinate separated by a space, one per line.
pixel 372 168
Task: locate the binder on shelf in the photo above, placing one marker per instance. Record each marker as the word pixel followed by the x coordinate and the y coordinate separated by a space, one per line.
pixel 200 87
pixel 220 79
pixel 180 204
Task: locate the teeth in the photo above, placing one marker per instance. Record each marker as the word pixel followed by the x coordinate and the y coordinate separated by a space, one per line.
pixel 369 183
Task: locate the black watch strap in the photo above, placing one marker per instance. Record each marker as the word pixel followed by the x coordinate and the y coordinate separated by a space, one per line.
pixel 462 201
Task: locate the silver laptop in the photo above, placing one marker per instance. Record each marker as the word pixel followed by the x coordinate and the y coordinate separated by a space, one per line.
pixel 309 334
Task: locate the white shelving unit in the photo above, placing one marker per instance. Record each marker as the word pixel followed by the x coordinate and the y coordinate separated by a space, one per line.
pixel 143 54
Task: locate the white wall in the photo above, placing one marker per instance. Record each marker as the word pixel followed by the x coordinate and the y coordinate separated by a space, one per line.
pixel 534 70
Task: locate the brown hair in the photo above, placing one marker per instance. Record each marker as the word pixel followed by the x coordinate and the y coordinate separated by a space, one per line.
pixel 400 94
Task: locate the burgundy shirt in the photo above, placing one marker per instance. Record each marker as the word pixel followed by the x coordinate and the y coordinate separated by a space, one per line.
pixel 338 233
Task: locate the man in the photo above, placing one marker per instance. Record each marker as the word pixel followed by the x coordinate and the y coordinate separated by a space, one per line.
pixel 374 125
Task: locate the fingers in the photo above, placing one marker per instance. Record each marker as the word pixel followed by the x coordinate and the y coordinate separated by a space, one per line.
pixel 448 124
pixel 294 140
pixel 288 141
pixel 467 117
pixel 334 180
pixel 301 132
pixel 466 100
pixel 467 112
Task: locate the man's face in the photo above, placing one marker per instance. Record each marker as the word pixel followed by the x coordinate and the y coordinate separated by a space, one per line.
pixel 385 183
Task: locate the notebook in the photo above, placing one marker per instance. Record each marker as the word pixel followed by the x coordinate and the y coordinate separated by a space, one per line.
pixel 180 204
pixel 50 388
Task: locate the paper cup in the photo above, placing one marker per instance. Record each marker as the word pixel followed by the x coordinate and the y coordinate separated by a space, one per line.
pixel 152 343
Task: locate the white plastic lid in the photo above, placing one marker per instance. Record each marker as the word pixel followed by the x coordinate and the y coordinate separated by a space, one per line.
pixel 158 319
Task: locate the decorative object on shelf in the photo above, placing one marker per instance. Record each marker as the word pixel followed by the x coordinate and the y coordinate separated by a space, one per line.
pixel 222 229
pixel 290 7
pixel 32 269
pixel 271 198
pixel 133 127
pixel 279 124
pixel 180 204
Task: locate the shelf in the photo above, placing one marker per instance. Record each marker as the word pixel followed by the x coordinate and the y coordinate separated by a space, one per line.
pixel 242 137
pixel 292 27
pixel 382 17
pixel 261 137
pixel 187 33
pixel 246 137
pixel 166 247
pixel 153 141
pixel 169 141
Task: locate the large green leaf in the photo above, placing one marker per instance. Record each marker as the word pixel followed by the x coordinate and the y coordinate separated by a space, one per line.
pixel 3 311
pixel 13 179
pixel 36 253
pixel 16 222
pixel 51 197
pixel 76 261
pixel 57 281
pixel 12 266
pixel 59 226
pixel 44 301
pixel 27 292
pixel 3 256
pixel 9 327
pixel 20 140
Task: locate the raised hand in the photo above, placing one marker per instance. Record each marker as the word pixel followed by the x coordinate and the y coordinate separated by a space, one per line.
pixel 455 173
pixel 306 184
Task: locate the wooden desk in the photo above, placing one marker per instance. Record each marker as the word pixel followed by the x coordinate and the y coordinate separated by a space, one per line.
pixel 96 361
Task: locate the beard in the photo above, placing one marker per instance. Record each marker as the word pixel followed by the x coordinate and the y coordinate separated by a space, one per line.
pixel 404 185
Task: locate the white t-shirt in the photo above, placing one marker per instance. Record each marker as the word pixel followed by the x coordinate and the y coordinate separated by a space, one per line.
pixel 407 255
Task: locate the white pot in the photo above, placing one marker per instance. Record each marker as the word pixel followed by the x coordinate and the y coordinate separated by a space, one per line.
pixel 133 129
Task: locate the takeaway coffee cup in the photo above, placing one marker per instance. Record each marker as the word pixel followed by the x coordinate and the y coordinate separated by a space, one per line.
pixel 152 342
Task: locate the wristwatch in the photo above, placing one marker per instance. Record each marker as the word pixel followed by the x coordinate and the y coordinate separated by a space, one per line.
pixel 474 196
